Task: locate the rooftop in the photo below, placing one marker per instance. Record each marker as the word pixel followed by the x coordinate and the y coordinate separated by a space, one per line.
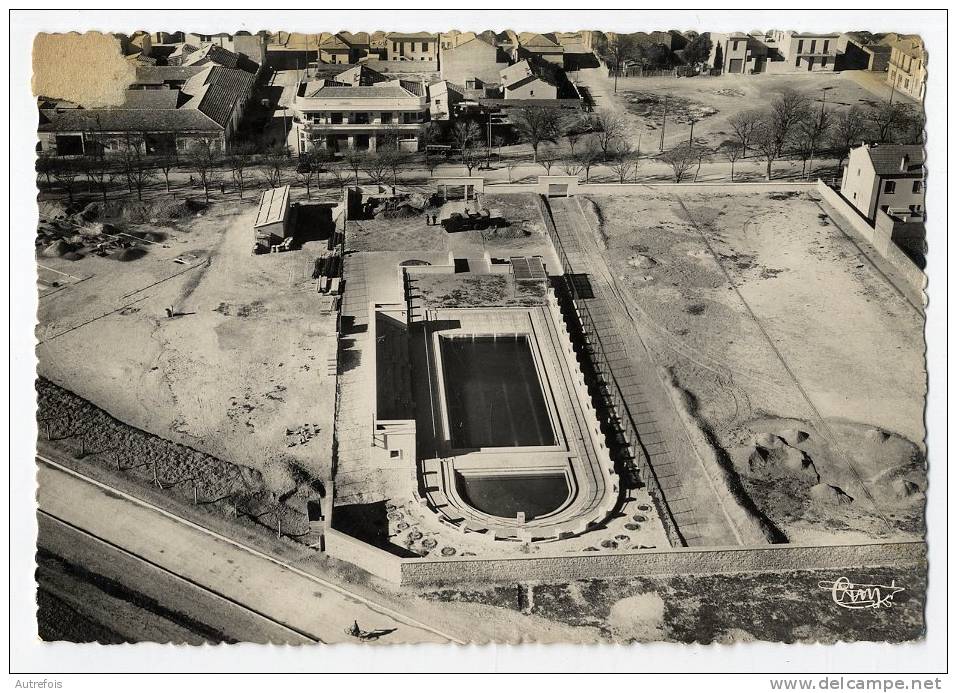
pixel 272 206
pixel 897 159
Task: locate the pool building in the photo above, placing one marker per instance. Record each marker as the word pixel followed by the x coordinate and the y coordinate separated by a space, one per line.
pixel 481 402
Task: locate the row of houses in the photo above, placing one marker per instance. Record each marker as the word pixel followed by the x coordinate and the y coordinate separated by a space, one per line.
pixel 166 109
pixel 903 57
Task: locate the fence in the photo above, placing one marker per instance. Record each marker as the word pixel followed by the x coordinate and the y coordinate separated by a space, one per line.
pixel 611 391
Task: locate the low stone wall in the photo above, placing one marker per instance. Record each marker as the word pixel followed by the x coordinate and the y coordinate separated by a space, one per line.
pixel 372 560
pixel 666 562
pixel 631 188
pixel 880 242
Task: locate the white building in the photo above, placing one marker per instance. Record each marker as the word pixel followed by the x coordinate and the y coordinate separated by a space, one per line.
pixel 359 109
pixel 885 178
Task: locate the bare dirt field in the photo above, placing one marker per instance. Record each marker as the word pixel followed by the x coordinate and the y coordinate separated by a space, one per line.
pixel 712 101
pixel 243 368
pixel 802 363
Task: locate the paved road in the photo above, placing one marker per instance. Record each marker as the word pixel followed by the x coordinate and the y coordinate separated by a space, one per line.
pixel 286 599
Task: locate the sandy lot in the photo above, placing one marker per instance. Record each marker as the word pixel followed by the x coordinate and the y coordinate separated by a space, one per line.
pixel 243 371
pixel 801 359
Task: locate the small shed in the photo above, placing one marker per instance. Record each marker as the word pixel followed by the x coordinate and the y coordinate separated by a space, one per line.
pixel 272 219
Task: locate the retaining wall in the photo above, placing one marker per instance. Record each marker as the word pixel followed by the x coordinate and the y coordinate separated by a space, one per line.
pixel 668 562
pixel 880 241
pixel 372 560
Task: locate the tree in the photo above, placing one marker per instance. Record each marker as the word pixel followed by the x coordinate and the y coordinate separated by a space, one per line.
pixel 588 155
pixel 202 158
pixel 165 163
pixel 548 158
pixel 536 125
pixel 100 172
pixel 354 159
pixel 240 158
pixel 465 134
pixel 376 167
pixel 607 127
pixel 732 150
pixel 45 166
pixel 571 166
pixel 886 118
pixel 779 125
pixel 698 49
pixel 339 176
pixel 624 161
pixel 618 49
pixel 274 160
pixel 307 170
pixel 718 63
pixel 65 174
pixel 138 167
pixel 744 125
pixel 849 129
pixel 681 159
pixel 812 133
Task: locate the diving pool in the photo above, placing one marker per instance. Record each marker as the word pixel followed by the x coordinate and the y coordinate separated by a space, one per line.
pixel 505 495
pixel 493 394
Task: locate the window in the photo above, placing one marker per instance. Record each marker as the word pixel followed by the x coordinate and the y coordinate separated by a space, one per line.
pixel 412 48
pixel 386 118
pixel 813 45
pixel 800 46
pixel 890 186
pixel 734 45
pixel 918 186
pixel 395 46
pixel 824 61
pixel 395 454
pixel 797 61
pixel 336 119
pixel 853 196
pixel 531 92
pixel 425 47
pixel 824 47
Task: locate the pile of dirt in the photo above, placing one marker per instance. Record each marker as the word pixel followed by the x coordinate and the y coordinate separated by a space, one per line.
pixel 58 248
pixel 51 210
pixel 650 106
pixel 162 212
pixel 642 261
pixel 130 254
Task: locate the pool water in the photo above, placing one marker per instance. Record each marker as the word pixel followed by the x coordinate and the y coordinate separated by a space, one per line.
pixel 505 495
pixel 493 395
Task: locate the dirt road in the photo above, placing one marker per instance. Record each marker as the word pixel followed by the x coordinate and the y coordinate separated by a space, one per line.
pixel 289 598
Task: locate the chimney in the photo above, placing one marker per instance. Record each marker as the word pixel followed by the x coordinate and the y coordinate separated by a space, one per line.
pixel 904 161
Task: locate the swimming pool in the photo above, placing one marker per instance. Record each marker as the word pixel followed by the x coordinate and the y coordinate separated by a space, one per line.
pixel 505 495
pixel 493 394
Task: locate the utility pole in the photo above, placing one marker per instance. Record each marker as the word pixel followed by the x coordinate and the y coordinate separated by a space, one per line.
pixel 664 121
pixel 691 134
pixel 488 155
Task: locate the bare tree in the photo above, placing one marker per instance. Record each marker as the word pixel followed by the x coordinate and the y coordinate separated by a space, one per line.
pixel 812 133
pixel 571 166
pixel 395 158
pixel 240 157
pixel 100 172
pixel 536 125
pixel 617 50
pixel 732 150
pixel 274 160
pixel 588 155
pixel 681 159
pixel 65 173
pixel 886 118
pixel 465 134
pixel 607 128
pixel 203 158
pixel 165 163
pixel 744 125
pixel 338 176
pixel 623 161
pixel 307 170
pixel 376 167
pixel 849 129
pixel 139 169
pixel 45 166
pixel 355 160
pixel 779 126
pixel 548 158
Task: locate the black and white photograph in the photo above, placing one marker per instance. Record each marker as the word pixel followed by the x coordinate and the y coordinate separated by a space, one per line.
pixel 378 329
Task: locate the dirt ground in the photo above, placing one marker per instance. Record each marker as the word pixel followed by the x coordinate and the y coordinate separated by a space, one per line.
pixel 800 359
pixel 243 370
pixel 713 101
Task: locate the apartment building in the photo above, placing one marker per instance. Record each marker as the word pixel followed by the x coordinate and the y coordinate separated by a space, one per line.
pixel 790 51
pixel 359 109
pixel 416 46
pixel 907 69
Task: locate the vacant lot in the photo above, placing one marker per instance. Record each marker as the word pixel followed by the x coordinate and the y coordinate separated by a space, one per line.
pixel 227 352
pixel 798 356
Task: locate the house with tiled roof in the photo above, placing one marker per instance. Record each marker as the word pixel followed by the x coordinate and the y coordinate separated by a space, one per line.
pixel 344 47
pixel 417 46
pixel 359 108
pixel 528 80
pixel 474 63
pixel 166 109
pixel 542 46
